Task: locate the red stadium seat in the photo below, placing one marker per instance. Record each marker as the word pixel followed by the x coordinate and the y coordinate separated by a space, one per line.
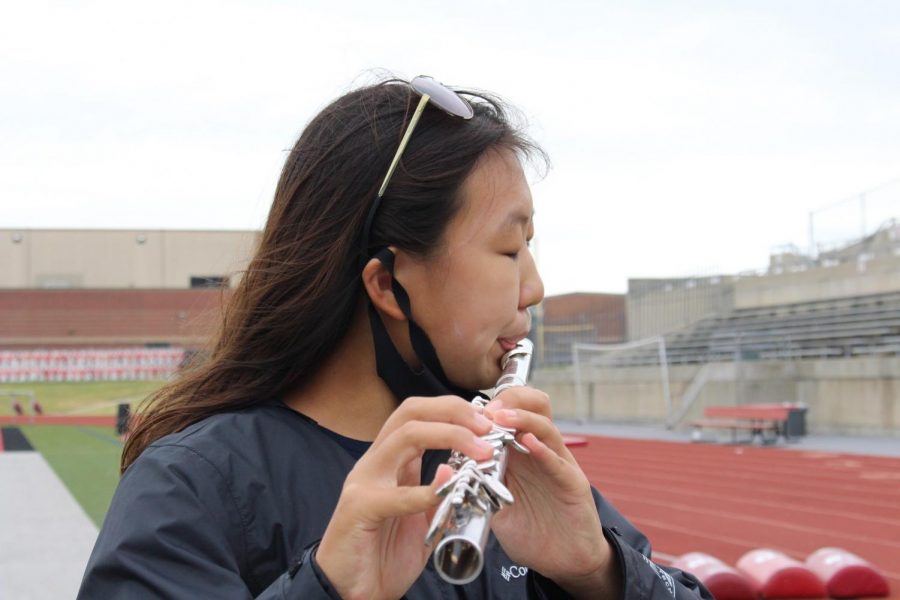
pixel 777 575
pixel 723 581
pixel 846 575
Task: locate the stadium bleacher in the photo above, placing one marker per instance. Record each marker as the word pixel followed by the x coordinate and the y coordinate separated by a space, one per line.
pixel 832 328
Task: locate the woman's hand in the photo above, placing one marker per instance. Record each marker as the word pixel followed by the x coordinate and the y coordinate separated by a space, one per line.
pixel 553 525
pixel 374 544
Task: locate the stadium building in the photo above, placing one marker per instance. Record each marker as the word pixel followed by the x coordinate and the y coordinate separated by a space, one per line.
pixel 818 331
pixel 821 332
pixel 103 288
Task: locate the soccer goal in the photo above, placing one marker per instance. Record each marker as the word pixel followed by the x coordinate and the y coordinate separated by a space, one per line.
pixel 591 361
pixel 15 402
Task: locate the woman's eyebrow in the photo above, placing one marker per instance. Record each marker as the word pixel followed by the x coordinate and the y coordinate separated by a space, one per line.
pixel 517 219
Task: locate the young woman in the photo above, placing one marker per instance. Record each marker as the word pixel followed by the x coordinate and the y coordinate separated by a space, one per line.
pixel 301 458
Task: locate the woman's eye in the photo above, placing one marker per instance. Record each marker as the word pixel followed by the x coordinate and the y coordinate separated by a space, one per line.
pixel 515 254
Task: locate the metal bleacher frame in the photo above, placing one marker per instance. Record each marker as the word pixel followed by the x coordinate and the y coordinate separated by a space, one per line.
pixel 820 329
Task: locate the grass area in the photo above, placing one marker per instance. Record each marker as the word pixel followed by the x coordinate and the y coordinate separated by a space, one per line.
pixel 85 397
pixel 86 459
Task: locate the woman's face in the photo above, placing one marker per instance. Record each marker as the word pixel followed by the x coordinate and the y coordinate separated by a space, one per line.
pixel 471 297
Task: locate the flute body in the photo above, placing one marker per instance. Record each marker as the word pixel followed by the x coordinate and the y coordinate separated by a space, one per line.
pixel 476 490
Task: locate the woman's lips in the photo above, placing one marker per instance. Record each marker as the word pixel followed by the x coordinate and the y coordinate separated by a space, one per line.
pixel 509 343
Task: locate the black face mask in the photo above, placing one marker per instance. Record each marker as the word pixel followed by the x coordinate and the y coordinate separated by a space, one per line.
pixel 404 381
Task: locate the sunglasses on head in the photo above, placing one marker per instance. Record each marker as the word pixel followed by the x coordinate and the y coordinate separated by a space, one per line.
pixel 437 94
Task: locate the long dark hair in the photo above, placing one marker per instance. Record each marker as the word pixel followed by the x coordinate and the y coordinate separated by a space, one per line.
pixel 298 295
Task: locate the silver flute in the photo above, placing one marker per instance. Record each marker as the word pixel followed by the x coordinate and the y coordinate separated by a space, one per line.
pixel 476 490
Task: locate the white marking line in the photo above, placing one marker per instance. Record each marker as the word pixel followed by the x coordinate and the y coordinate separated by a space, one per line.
pixel 45 536
pixel 705 511
pixel 718 537
pixel 740 485
pixel 815 481
pixel 98 405
pixel 797 554
pixel 731 499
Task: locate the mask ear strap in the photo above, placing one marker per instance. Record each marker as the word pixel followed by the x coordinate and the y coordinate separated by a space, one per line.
pixel 420 340
pixel 431 366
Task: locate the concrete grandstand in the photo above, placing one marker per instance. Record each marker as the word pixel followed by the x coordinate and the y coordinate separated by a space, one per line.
pixel 822 330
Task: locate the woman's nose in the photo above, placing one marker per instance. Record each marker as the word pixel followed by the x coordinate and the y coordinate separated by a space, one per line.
pixel 531 290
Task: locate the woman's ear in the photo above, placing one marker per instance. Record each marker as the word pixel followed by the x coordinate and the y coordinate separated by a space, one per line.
pixel 377 281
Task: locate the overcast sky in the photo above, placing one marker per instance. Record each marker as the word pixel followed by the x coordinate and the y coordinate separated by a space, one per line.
pixel 686 137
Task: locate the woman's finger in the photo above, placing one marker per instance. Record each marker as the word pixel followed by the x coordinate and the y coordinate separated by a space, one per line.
pixel 525 398
pixel 414 437
pixel 549 461
pixel 441 476
pixel 387 502
pixel 444 409
pixel 524 421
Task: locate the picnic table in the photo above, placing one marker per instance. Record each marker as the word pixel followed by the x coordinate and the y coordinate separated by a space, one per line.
pixel 764 421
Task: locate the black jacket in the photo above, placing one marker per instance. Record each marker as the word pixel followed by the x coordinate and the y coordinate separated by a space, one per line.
pixel 231 506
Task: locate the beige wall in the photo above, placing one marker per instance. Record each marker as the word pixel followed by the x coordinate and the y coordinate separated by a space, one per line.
pixel 848 279
pixel 856 395
pixel 119 258
pixel 660 306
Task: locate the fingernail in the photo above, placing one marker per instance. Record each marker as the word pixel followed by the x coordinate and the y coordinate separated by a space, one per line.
pixel 507 415
pixel 482 445
pixel 494 405
pixel 482 421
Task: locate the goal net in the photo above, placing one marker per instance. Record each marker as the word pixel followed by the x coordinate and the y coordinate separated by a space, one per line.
pixel 622 382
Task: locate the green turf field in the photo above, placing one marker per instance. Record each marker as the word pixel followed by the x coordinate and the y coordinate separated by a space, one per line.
pixel 82 397
pixel 86 459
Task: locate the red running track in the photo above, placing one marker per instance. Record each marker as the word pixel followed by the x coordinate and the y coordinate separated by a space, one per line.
pixel 727 500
